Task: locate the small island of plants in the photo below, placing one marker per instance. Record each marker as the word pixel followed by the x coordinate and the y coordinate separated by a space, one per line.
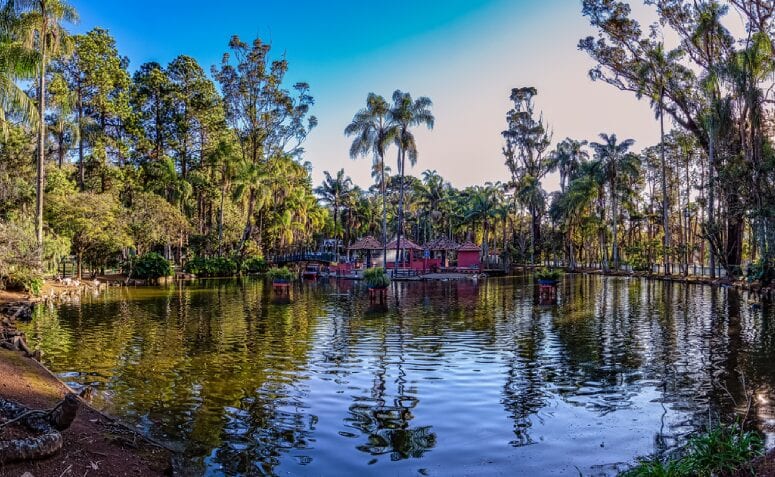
pixel 376 278
pixel 280 275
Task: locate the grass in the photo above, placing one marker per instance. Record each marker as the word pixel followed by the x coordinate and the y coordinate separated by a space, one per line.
pixel 721 450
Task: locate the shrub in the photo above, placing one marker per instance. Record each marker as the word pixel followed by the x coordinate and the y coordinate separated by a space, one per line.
pixel 547 274
pixel 151 265
pixel 280 274
pixel 376 277
pixel 211 267
pixel 722 450
pixel 254 265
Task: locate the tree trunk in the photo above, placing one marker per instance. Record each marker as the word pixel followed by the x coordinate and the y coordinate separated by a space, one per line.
pixel 40 185
pixel 665 216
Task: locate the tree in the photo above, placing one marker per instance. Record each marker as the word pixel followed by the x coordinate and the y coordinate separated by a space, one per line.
pixel 406 113
pixel 268 120
pixel 615 162
pixel 93 223
pixel 42 26
pixel 17 62
pixel 526 142
pixel 334 191
pixel 373 132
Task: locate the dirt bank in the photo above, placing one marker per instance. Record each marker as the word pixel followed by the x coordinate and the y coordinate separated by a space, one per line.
pixel 94 444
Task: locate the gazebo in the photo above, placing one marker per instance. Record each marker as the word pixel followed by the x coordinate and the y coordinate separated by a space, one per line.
pixel 468 256
pixel 405 245
pixel 443 245
pixel 367 244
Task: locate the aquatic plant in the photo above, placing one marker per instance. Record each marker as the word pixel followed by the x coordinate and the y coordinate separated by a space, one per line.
pixel 280 275
pixel 376 277
pixel 548 274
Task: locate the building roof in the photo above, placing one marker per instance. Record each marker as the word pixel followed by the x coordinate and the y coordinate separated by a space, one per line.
pixel 366 243
pixel 469 246
pixel 406 244
pixel 442 243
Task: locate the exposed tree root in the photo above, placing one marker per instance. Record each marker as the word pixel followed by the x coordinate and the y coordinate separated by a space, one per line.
pixel 43 425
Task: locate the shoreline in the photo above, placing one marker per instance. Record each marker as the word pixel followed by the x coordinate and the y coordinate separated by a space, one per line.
pixel 96 443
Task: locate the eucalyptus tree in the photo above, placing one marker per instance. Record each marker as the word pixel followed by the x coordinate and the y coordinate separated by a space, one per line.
pixel 526 142
pixel 614 162
pixel 271 122
pixel 374 132
pixel 42 29
pixel 197 113
pixel 405 114
pixel 334 191
pixel 63 130
pixel 98 78
pixel 696 94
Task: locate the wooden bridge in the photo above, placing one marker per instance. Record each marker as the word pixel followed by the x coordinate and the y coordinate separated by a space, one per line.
pixel 325 258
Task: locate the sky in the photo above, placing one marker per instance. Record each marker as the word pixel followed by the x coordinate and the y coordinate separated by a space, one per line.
pixel 466 55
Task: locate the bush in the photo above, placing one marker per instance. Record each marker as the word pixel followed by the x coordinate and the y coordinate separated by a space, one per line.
pixel 722 450
pixel 280 274
pixel 18 257
pixel 548 274
pixel 150 266
pixel 376 277
pixel 254 265
pixel 211 267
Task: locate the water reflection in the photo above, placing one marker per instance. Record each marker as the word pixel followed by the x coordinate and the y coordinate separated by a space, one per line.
pixel 449 378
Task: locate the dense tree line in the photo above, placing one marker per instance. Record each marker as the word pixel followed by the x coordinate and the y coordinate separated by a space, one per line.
pixel 164 158
pixel 100 162
pixel 703 196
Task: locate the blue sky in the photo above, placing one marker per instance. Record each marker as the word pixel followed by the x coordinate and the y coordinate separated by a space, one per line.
pixel 465 55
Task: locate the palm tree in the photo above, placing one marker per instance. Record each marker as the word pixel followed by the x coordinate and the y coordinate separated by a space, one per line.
pixel 567 159
pixel 17 62
pixel 483 206
pixel 404 114
pixel 373 133
pixel 41 27
pixel 614 161
pixel 334 190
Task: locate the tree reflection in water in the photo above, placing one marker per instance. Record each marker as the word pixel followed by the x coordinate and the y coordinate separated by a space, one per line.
pixel 386 422
pixel 245 386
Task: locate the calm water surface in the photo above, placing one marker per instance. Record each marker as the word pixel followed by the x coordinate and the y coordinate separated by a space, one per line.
pixel 454 378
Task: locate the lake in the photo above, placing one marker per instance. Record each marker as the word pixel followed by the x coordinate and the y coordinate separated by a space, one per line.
pixel 454 378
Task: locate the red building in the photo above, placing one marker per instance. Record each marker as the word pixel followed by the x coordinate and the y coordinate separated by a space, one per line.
pixel 468 256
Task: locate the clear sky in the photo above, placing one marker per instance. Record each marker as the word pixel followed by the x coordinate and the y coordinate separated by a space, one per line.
pixel 466 55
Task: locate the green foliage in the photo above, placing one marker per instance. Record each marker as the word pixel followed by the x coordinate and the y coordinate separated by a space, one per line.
pixel 722 450
pixel 211 267
pixel 548 274
pixel 18 258
pixel 254 265
pixel 376 277
pixel 280 275
pixel 150 266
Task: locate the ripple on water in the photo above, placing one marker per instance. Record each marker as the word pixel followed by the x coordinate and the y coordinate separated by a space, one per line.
pixel 454 378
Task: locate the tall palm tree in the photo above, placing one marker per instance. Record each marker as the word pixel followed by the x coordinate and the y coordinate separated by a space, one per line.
pixel 17 62
pixel 483 206
pixel 373 133
pixel 406 113
pixel 567 159
pixel 614 160
pixel 334 190
pixel 41 26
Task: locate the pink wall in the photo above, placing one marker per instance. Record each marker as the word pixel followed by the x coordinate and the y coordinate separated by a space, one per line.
pixel 468 259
